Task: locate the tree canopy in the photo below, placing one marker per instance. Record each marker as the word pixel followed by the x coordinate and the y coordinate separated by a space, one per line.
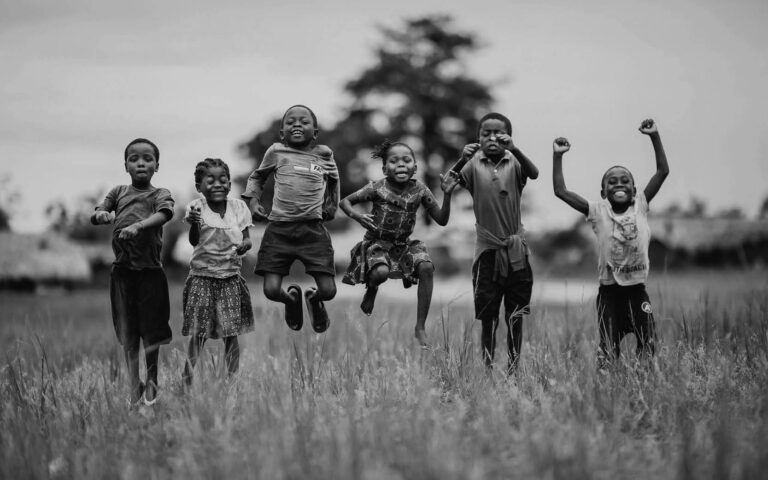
pixel 417 90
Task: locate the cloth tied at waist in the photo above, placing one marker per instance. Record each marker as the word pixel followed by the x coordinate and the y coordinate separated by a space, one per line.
pixel 511 251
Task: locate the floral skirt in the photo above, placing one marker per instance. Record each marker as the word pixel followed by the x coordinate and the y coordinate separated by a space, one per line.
pixel 216 307
pixel 402 259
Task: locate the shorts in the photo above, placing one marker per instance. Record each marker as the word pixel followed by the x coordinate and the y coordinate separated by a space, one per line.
pixel 402 259
pixel 515 290
pixel 140 305
pixel 284 242
pixel 216 307
pixel 622 310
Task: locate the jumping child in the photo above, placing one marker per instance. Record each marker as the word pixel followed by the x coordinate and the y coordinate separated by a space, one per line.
pixel 138 288
pixel 495 173
pixel 387 250
pixel 620 223
pixel 217 303
pixel 306 193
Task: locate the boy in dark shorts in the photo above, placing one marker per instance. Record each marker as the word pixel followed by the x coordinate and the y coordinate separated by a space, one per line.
pixel 495 173
pixel 138 287
pixel 620 223
pixel 306 194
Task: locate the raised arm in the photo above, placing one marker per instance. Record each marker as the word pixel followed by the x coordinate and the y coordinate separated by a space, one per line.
pixel 527 166
pixel 649 127
pixel 559 147
pixel 448 183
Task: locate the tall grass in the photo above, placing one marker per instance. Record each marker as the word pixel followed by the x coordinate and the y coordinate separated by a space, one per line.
pixel 363 401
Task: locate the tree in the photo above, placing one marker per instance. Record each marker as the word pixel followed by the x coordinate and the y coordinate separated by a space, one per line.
pixel 417 91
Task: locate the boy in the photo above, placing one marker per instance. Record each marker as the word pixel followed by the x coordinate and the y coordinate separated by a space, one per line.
pixel 495 173
pixel 306 194
pixel 138 288
pixel 620 223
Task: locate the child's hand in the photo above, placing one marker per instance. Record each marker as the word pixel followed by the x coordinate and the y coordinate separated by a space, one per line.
pixel 130 231
pixel 505 140
pixel 365 219
pixel 449 181
pixel 195 215
pixel 258 213
pixel 561 145
pixel 103 217
pixel 648 126
pixel 244 247
pixel 470 150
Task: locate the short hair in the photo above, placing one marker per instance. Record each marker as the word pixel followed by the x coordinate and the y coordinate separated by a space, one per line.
pixel 605 175
pixel 142 140
pixel 314 118
pixel 496 116
pixel 206 164
pixel 381 150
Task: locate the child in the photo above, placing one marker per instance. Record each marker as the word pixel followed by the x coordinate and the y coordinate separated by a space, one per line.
pixel 306 193
pixel 386 250
pixel 620 223
pixel 138 287
pixel 495 173
pixel 217 303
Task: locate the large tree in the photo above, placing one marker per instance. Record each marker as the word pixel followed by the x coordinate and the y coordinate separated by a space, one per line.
pixel 417 90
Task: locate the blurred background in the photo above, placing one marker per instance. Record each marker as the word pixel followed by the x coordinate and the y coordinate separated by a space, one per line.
pixel 81 79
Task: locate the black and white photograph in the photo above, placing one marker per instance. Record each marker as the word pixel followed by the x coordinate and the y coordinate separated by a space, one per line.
pixel 384 240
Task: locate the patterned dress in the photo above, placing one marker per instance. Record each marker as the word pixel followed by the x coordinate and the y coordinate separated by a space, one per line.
pixel 394 214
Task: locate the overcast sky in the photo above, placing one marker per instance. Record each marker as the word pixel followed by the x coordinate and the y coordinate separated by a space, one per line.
pixel 82 78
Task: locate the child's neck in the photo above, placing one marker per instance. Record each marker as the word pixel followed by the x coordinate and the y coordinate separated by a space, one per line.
pixel 397 186
pixel 218 207
pixel 302 148
pixel 621 208
pixel 141 185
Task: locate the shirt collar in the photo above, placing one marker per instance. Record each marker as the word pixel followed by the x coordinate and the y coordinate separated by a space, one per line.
pixel 507 156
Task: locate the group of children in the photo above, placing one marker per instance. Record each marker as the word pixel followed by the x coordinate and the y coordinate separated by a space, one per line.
pixel 216 300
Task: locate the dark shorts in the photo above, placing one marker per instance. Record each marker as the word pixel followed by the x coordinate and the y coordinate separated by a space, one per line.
pixel 515 290
pixel 624 310
pixel 140 305
pixel 284 242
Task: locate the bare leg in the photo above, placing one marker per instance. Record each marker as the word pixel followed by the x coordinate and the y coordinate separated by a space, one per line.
pixel 193 352
pixel 273 289
pixel 131 350
pixel 152 357
pixel 489 339
pixel 376 277
pixel 231 355
pixel 426 273
pixel 514 340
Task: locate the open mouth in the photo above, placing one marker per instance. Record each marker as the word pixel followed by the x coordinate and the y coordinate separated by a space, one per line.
pixel 620 194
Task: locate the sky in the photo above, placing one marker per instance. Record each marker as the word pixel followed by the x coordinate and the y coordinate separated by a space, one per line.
pixel 83 78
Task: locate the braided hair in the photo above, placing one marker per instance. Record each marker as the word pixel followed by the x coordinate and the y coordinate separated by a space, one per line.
pixel 381 150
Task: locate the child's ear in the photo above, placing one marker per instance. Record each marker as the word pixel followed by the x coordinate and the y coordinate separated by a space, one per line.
pixel 317 132
pixel 282 137
pixel 602 193
pixel 197 187
pixel 384 169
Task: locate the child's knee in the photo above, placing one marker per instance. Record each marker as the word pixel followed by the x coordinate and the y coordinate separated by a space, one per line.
pixel 272 292
pixel 379 274
pixel 326 292
pixel 425 270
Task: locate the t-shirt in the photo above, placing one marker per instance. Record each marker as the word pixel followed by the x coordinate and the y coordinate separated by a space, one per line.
pixel 132 205
pixel 215 255
pixel 496 190
pixel 394 213
pixel 622 241
pixel 300 181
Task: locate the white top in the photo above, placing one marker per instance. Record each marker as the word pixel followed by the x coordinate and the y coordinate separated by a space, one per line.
pixel 215 255
pixel 622 241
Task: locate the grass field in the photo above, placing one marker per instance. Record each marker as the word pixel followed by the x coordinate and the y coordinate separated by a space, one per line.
pixel 364 402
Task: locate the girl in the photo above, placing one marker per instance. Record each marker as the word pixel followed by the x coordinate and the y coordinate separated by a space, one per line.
pixel 386 250
pixel 217 303
pixel 620 223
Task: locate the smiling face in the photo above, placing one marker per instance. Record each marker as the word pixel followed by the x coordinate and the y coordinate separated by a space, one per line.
pixel 299 128
pixel 489 133
pixel 618 186
pixel 141 163
pixel 214 185
pixel 399 164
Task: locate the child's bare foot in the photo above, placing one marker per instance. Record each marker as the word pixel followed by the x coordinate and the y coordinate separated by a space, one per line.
pixel 368 300
pixel 421 336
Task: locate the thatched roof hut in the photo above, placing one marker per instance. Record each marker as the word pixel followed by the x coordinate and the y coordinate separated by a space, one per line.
pixel 32 259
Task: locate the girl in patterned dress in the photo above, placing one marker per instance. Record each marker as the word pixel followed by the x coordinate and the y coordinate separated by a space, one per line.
pixel 387 251
pixel 217 303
